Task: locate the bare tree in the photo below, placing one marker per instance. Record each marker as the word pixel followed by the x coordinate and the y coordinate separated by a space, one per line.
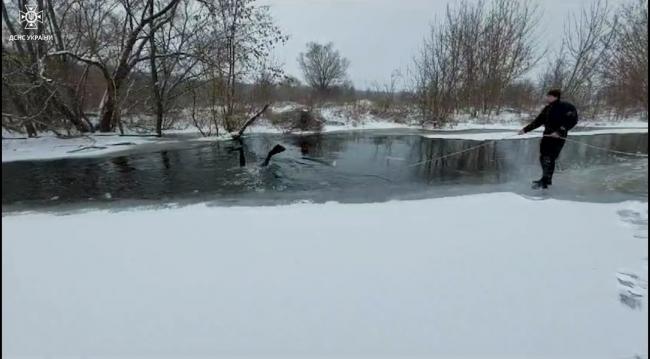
pixel 625 63
pixel 387 91
pixel 36 98
pixel 507 49
pixel 323 66
pixel 473 55
pixel 554 72
pixel 436 74
pixel 265 79
pixel 171 74
pixel 246 34
pixel 575 69
pixel 111 36
pixel 468 21
pixel 211 44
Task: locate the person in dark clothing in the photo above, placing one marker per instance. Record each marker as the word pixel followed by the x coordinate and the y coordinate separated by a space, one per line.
pixel 558 118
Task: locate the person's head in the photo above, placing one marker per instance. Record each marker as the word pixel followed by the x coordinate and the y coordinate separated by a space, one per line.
pixel 553 95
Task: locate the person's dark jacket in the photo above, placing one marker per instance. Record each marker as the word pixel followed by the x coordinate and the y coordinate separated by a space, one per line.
pixel 558 116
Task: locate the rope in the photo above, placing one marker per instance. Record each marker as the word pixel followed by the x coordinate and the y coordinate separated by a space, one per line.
pixel 644 155
pixel 459 152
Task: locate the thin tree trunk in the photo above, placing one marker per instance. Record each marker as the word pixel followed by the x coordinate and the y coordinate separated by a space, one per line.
pixel 154 78
pixel 108 109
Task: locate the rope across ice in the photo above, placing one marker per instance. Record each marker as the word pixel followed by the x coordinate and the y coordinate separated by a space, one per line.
pixel 635 154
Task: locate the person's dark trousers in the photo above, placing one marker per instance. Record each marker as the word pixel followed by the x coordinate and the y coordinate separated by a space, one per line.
pixel 549 150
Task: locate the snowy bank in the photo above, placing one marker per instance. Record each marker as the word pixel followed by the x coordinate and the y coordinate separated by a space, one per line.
pixel 375 124
pixel 49 147
pixel 350 118
pixel 473 276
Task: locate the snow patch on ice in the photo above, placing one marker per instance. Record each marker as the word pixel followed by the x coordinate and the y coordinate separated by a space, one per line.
pixel 50 147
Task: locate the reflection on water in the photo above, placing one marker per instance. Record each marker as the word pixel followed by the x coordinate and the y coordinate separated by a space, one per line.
pixel 344 166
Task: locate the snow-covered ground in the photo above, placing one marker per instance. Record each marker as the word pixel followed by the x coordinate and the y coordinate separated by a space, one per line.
pixel 51 147
pixel 492 275
pixel 374 124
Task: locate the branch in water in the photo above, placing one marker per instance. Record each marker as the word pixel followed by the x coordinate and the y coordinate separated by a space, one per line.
pixel 250 121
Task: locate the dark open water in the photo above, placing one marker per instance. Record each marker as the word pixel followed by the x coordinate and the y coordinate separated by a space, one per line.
pixel 364 166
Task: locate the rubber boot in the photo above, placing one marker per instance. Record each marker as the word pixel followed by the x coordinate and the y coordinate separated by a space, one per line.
pixel 548 167
pixel 540 183
pixel 547 173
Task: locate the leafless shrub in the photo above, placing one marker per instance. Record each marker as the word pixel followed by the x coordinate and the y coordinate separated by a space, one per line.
pixel 625 62
pixel 575 68
pixel 471 57
pixel 300 119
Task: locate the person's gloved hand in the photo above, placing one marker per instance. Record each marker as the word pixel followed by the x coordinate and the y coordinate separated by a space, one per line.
pixel 521 132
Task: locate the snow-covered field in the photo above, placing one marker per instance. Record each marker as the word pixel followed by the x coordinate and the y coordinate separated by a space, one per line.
pixel 492 275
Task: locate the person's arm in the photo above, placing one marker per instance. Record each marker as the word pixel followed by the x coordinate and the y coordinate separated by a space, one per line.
pixel 537 122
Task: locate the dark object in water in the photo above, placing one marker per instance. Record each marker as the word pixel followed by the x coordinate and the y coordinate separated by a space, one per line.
pixel 274 151
pixel 242 157
pixel 240 149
